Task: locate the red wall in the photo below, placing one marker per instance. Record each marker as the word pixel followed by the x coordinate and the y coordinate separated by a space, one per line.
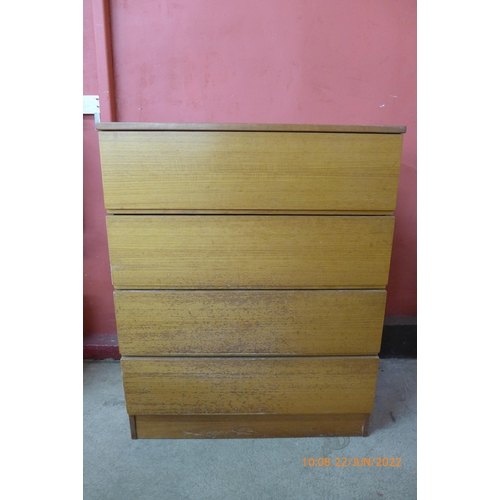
pixel 98 312
pixel 261 61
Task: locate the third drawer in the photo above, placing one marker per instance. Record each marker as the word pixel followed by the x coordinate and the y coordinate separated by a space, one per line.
pixel 294 322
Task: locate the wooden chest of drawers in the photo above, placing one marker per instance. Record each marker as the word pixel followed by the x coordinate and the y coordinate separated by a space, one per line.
pixel 249 264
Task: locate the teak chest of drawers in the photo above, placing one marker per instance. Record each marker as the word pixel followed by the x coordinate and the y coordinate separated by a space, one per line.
pixel 249 264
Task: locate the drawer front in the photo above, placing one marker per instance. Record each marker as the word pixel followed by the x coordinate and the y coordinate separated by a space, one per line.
pixel 249 171
pixel 226 385
pixel 259 252
pixel 158 323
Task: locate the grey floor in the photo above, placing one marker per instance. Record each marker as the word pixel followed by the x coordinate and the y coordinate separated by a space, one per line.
pixel 117 467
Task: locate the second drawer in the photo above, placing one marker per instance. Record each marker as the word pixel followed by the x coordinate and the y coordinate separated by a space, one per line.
pixel 335 322
pixel 250 252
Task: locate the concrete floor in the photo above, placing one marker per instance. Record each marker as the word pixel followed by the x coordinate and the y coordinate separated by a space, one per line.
pixel 119 468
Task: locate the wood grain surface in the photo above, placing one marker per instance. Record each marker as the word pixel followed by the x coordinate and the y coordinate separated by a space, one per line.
pixel 249 426
pixel 228 385
pixel 249 127
pixel 252 252
pixel 249 263
pixel 158 323
pixel 262 171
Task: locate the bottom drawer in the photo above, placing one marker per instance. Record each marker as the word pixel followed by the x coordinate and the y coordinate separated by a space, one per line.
pixel 242 386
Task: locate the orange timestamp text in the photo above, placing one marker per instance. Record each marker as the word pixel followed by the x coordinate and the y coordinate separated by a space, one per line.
pixel 352 462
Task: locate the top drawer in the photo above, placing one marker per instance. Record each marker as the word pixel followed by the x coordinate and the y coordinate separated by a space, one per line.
pixel 249 171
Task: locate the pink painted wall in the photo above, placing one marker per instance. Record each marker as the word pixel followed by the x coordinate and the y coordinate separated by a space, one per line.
pixel 98 312
pixel 271 61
